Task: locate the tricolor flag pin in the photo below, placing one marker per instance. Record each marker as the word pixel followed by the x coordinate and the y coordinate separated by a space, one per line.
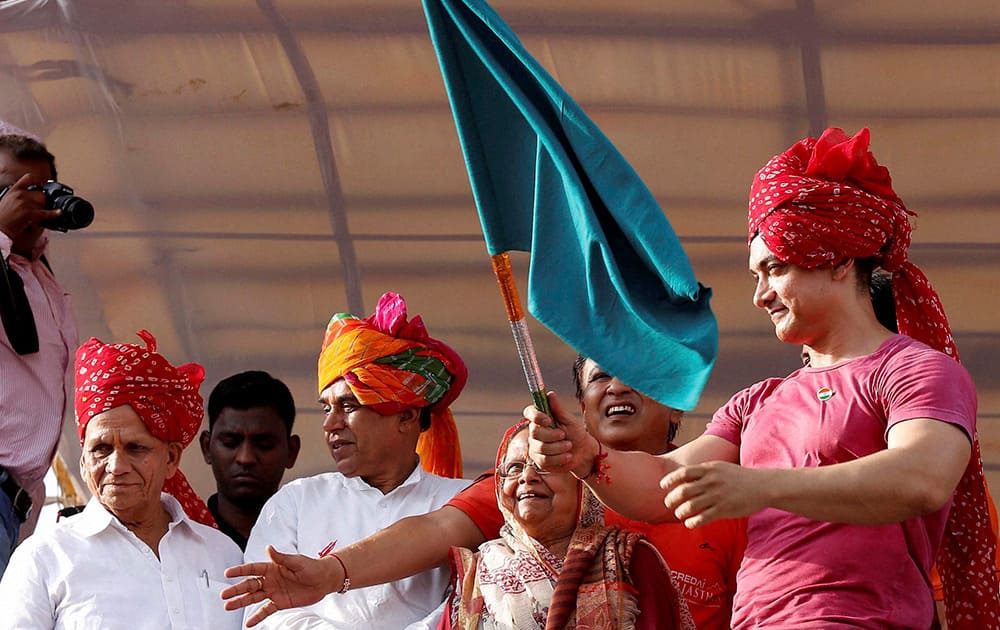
pixel 824 394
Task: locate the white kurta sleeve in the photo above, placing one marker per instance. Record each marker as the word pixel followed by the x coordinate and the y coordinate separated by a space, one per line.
pixel 25 600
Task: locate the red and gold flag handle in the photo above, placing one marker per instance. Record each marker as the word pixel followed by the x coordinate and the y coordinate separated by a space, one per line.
pixel 522 338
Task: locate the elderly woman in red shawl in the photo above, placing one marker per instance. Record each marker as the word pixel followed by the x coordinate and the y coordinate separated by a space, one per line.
pixel 555 564
pixel 144 553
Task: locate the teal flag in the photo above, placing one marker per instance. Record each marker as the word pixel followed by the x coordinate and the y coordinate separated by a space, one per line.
pixel 607 272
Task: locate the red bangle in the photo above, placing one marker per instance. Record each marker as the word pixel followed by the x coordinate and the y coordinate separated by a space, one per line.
pixel 347 581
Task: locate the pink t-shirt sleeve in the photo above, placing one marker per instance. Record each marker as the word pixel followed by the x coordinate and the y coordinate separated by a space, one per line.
pixel 727 423
pixel 479 502
pixel 929 384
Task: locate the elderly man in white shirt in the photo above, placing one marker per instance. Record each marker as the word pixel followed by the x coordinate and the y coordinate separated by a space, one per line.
pixel 385 387
pixel 136 558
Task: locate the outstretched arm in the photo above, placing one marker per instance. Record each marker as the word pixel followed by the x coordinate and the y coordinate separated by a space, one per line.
pixel 409 546
pixel 915 475
pixel 288 581
pixel 632 483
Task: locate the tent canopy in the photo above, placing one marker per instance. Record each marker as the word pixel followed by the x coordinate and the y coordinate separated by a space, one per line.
pixel 257 167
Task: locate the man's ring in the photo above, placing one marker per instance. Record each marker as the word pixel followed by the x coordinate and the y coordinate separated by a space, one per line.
pixel 260 582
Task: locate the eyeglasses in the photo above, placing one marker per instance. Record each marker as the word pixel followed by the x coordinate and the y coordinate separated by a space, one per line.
pixel 514 469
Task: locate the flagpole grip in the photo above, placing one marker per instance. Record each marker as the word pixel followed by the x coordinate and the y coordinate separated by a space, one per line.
pixel 505 278
pixel 519 328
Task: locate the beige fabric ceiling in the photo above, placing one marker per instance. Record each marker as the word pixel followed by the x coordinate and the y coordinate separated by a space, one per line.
pixel 257 167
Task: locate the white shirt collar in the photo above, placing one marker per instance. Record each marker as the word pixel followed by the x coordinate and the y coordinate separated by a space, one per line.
pixel 358 484
pixel 96 518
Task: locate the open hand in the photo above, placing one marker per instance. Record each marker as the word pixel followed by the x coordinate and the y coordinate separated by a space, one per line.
pixel 288 581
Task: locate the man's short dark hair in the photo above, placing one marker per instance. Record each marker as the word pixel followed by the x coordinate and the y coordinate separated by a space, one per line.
pixel 250 389
pixel 578 375
pixel 425 418
pixel 864 268
pixel 883 299
pixel 25 149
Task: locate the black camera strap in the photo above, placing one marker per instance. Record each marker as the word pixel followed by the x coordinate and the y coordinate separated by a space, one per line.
pixel 15 311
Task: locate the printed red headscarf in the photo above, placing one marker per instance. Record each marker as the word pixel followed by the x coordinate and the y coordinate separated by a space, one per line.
pixel 165 397
pixel 825 200
pixel 392 364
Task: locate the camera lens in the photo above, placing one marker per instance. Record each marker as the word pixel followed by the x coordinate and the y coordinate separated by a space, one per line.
pixel 77 213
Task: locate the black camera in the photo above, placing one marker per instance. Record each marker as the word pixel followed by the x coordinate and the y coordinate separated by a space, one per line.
pixel 77 212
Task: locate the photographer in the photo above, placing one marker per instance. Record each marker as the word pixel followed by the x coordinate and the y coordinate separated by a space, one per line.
pixel 37 341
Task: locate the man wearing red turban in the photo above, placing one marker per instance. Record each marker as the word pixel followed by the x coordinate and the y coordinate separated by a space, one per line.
pixel 854 470
pixel 137 556
pixel 385 386
pixel 165 398
pixel 822 203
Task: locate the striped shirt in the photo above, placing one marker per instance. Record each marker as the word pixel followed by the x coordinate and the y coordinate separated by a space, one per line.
pixel 33 394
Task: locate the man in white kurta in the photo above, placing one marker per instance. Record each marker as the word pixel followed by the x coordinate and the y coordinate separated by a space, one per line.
pixel 385 386
pixel 92 572
pixel 307 515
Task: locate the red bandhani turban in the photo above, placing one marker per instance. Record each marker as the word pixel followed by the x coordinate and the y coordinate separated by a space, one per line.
pixel 825 200
pixel 165 397
pixel 392 364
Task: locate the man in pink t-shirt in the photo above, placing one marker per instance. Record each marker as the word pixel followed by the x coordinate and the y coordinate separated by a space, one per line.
pixel 800 570
pixel 848 469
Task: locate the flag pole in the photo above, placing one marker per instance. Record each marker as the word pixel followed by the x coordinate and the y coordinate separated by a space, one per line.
pixel 522 338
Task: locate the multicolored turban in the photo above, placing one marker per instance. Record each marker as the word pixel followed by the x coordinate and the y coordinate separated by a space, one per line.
pixel 165 397
pixel 392 364
pixel 826 200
